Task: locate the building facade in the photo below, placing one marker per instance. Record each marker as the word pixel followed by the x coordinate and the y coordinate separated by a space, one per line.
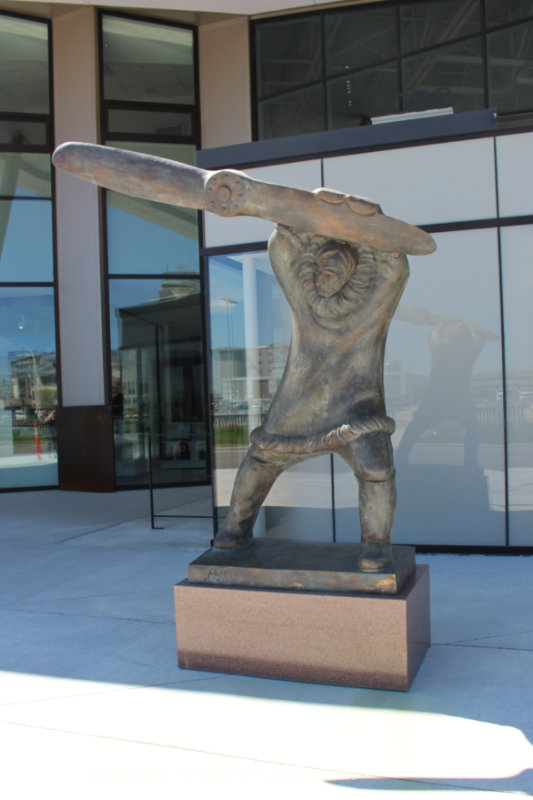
pixel 138 334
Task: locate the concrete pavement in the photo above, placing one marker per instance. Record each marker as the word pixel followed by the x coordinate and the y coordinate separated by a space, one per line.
pixel 92 703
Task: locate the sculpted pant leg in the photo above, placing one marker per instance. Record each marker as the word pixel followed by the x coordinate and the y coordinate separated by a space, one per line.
pixel 372 462
pixel 254 479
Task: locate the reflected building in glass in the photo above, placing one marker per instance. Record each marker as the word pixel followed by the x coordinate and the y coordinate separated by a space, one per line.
pixel 28 368
pixel 137 334
pixel 157 382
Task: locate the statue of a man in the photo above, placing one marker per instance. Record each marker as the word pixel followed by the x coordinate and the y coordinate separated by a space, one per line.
pixel 330 399
pixel 342 267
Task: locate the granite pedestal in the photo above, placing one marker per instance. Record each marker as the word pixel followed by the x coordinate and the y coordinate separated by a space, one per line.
pixel 341 638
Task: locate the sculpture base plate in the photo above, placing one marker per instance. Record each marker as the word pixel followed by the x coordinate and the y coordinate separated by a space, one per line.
pixel 370 641
pixel 289 564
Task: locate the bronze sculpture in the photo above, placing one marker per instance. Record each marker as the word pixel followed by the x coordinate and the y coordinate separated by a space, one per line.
pixel 341 264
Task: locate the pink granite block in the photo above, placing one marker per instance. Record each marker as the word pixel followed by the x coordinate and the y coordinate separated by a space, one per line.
pixel 336 638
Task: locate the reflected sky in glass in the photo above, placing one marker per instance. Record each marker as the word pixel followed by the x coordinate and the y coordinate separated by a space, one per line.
pixel 145 237
pixel 26 245
pixel 226 304
pixel 150 238
pixel 26 323
pixel 25 175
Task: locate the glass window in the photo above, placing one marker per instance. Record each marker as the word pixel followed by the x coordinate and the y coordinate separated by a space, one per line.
pixel 515 174
pixel 25 175
pixel 462 170
pixel 28 380
pixel 21 132
pixel 147 62
pixel 171 150
pixel 143 122
pixel 499 12
pixel 443 384
pixel 457 68
pixel 443 387
pixel 28 388
pixel 510 54
pixel 157 380
pixel 444 54
pixel 26 246
pixel 425 25
pixel 291 114
pixel 354 99
pixel 517 260
pixel 158 397
pixel 250 335
pixel 360 37
pixel 145 237
pixel 288 54
pixel 23 66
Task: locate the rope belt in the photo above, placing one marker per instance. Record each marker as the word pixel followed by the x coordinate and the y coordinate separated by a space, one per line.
pixel 320 442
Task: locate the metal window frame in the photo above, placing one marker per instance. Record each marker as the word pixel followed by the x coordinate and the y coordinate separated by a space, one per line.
pixel 482 35
pixel 107 275
pixel 46 149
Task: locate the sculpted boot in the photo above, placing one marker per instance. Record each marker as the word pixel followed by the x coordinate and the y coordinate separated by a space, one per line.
pixel 227 539
pixel 377 501
pixel 252 484
pixel 374 555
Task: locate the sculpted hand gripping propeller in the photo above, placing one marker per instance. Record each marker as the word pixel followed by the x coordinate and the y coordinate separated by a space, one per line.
pixel 341 264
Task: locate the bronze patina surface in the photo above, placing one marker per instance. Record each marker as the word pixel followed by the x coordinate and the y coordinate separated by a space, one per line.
pixel 288 564
pixel 229 193
pixel 342 266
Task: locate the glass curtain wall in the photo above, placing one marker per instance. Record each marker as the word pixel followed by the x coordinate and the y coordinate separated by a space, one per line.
pixel 517 258
pixel 342 67
pixel 444 389
pixel 28 376
pixel 458 365
pixel 155 312
pixel 443 384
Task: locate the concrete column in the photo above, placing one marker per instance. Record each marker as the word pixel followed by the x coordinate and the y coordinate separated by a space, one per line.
pixel 225 105
pixel 84 421
pixel 77 212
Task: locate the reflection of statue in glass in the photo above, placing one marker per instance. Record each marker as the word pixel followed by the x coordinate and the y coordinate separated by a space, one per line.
pixel 341 265
pixel 455 345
